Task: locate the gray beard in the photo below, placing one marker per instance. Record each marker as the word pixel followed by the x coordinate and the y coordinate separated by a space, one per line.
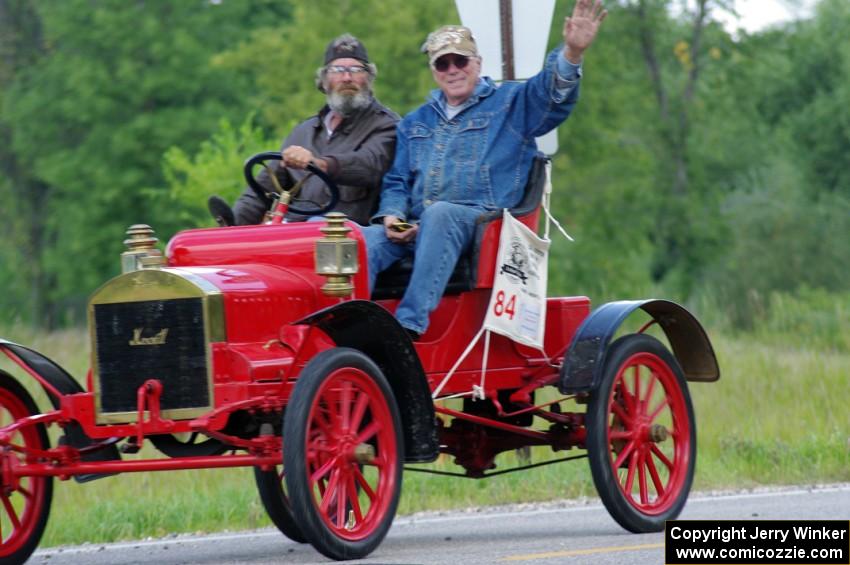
pixel 347 104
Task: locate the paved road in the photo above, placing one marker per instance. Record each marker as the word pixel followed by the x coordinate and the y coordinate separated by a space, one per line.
pixel 565 532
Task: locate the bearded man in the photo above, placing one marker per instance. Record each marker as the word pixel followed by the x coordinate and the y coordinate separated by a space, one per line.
pixel 352 139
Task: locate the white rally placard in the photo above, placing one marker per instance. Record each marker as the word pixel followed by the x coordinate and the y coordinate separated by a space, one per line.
pixel 518 304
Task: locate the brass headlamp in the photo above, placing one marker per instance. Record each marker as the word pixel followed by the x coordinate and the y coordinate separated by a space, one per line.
pixel 141 250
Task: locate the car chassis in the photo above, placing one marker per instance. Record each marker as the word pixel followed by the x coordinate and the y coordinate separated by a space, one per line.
pixel 260 346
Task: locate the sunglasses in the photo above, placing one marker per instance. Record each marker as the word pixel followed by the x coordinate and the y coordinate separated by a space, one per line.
pixel 443 63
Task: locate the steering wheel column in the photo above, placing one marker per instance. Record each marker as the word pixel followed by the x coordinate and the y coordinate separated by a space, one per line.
pixel 279 201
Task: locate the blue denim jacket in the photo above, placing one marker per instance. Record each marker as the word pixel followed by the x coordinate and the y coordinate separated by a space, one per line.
pixel 483 155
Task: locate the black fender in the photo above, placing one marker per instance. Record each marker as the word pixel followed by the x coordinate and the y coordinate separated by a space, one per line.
pixel 64 384
pixel 50 371
pixel 370 328
pixel 585 358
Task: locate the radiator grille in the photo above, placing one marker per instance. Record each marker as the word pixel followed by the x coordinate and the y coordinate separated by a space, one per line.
pixel 154 339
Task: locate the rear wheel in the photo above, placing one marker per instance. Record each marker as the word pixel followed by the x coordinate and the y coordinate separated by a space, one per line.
pixel 641 435
pixel 24 501
pixel 272 488
pixel 342 451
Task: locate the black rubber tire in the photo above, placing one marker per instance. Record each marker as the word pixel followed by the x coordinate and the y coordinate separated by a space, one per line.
pixel 277 505
pixel 21 550
pixel 377 520
pixel 636 515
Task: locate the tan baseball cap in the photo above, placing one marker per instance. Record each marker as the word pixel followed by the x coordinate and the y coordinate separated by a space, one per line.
pixel 450 39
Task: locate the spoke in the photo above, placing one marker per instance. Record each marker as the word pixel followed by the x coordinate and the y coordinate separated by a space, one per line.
pixel 322 485
pixel 27 494
pixel 359 410
pixel 624 454
pixel 628 400
pixel 345 406
pixel 355 500
pixel 630 477
pixel 663 458
pixel 620 412
pixel 320 446
pixel 644 498
pixel 638 402
pixel 329 493
pixel 340 502
pixel 323 421
pixel 327 408
pixel 10 510
pixel 378 462
pixel 364 484
pixel 653 473
pixel 620 434
pixel 323 470
pixel 369 432
pixel 657 411
pixel 649 390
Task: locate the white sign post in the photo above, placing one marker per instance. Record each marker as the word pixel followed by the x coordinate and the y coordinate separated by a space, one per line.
pixel 531 21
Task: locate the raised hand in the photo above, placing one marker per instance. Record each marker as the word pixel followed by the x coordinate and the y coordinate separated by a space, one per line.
pixel 581 28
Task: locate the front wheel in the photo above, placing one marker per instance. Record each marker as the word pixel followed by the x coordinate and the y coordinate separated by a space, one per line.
pixel 24 501
pixel 641 435
pixel 342 453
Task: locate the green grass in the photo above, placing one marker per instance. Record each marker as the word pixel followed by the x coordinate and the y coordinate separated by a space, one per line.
pixel 778 415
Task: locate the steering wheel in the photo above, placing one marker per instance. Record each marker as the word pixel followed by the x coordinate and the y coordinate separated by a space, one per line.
pixel 261 191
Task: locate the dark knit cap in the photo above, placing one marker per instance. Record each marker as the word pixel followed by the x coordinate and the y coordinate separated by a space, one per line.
pixel 346 46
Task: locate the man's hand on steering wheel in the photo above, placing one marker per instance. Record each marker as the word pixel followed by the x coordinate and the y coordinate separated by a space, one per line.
pixel 297 157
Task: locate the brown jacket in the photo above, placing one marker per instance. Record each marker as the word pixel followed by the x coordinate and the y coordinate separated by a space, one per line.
pixel 359 152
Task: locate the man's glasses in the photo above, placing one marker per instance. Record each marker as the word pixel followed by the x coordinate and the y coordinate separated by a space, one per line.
pixel 342 69
pixel 443 63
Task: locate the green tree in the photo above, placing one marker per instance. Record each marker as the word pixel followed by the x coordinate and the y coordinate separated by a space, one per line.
pixel 22 276
pixel 787 210
pixel 91 115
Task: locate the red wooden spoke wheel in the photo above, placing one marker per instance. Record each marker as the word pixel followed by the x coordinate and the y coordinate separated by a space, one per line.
pixel 24 501
pixel 641 438
pixel 342 451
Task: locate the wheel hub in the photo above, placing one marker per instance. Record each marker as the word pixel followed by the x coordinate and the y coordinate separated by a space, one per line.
pixel 364 454
pixel 658 433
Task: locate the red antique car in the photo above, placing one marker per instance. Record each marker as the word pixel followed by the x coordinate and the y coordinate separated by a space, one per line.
pixel 260 346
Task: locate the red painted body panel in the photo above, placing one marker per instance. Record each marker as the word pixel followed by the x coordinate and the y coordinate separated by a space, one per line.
pixel 455 323
pixel 262 296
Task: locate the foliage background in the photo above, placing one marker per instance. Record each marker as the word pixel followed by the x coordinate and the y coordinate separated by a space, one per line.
pixel 702 166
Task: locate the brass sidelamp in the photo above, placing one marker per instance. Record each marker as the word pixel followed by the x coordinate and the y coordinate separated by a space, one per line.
pixel 336 256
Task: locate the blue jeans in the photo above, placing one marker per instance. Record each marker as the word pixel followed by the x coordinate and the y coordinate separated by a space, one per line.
pixel 445 232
